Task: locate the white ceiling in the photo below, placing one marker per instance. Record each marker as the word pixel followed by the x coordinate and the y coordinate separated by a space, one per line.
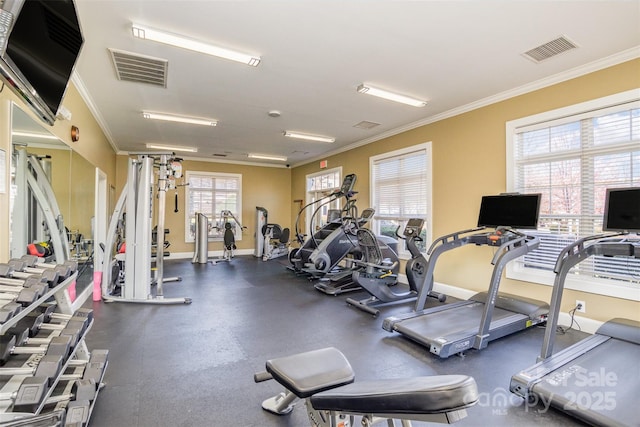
pixel 314 55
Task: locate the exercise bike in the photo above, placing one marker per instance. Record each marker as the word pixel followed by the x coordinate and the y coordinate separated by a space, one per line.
pixel 377 277
pixel 325 379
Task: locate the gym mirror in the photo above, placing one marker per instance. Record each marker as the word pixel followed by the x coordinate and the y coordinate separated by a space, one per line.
pixel 72 179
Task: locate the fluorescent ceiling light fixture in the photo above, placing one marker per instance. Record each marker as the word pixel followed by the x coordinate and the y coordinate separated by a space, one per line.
pixel 34 135
pixel 144 32
pixel 308 137
pixel 179 119
pixel 172 147
pixel 369 90
pixel 266 157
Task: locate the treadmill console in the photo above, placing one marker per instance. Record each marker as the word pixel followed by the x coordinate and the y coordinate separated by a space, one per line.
pixel 494 238
pixel 414 227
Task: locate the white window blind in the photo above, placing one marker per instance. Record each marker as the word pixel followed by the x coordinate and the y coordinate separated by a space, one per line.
pixel 572 160
pixel 401 189
pixel 209 194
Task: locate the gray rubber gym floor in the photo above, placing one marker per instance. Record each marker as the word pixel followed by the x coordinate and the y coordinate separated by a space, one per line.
pixel 193 365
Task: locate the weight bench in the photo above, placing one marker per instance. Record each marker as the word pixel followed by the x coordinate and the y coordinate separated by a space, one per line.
pixel 325 379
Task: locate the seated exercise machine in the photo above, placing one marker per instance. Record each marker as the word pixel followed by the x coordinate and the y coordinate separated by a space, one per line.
pixel 272 241
pixel 276 241
pixel 325 379
pixel 229 237
pixel 596 380
pixel 127 274
pixel 377 276
pixel 456 327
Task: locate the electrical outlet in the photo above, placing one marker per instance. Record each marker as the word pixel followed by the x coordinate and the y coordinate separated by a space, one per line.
pixel 582 306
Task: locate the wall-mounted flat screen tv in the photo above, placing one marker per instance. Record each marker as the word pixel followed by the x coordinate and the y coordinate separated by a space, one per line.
pixel 622 210
pixel 510 210
pixel 39 51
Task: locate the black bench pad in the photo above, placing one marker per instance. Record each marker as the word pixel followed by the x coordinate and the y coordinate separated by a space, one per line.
pixel 419 395
pixel 311 372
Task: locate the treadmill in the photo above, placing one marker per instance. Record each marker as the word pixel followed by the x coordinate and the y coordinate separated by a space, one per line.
pixel 596 380
pixel 453 328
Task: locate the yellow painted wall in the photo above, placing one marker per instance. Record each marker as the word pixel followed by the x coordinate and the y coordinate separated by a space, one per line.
pixel 469 161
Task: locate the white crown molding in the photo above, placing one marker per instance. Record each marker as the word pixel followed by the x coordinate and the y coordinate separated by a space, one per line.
pixel 600 64
pixel 84 94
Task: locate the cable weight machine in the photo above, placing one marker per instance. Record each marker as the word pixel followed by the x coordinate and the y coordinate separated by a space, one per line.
pixel 130 272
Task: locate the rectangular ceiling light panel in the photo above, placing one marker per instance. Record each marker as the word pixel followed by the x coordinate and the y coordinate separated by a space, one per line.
pixel 309 137
pixel 266 157
pixel 147 33
pixel 179 119
pixel 172 148
pixel 391 96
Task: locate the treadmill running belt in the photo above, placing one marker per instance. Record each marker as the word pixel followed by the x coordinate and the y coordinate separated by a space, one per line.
pixel 455 324
pixel 598 394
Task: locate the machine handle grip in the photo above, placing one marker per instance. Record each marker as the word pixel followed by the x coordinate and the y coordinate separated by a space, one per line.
pixel 262 376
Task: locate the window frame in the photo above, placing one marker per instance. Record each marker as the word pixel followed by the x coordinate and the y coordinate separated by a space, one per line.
pixel 308 196
pixel 403 253
pixel 574 112
pixel 237 213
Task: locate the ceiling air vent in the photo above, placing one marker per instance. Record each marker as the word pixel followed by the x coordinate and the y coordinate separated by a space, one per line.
pixel 133 67
pixel 219 155
pixel 366 125
pixel 554 47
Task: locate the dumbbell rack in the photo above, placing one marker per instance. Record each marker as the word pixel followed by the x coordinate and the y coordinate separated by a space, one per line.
pixel 79 353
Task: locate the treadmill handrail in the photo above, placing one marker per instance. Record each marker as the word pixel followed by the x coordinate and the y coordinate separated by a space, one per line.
pixel 568 258
pixel 507 252
pixel 454 236
pixel 578 246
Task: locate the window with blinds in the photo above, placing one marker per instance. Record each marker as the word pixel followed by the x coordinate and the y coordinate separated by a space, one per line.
pixel 209 194
pixel 571 160
pixel 400 190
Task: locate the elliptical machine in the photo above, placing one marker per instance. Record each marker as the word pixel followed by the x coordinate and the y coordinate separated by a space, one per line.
pixel 377 276
pixel 326 247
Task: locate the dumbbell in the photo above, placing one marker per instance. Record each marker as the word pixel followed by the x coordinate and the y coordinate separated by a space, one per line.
pixel 26 330
pixel 68 267
pixel 58 346
pixel 30 394
pixel 93 368
pixel 12 273
pixel 8 309
pixel 48 310
pixel 49 367
pixel 74 328
pixel 25 295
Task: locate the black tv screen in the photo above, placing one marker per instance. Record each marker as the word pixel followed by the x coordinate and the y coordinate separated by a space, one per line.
pixel 509 210
pixel 43 46
pixel 622 210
